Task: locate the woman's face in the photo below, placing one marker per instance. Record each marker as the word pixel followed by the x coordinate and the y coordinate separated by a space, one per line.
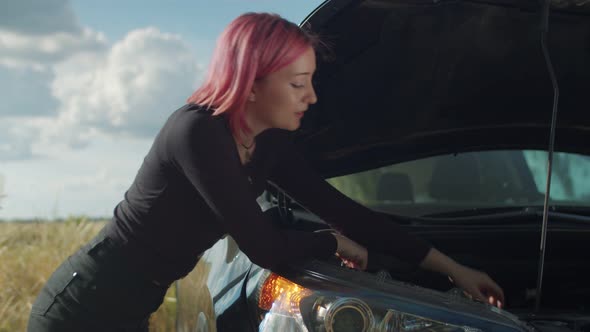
pixel 280 99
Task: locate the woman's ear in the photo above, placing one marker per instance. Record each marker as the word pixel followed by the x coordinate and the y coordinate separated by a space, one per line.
pixel 253 91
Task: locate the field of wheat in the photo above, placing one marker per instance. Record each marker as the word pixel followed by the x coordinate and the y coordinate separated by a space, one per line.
pixel 30 252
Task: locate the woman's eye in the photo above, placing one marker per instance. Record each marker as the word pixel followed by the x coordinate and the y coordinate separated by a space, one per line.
pixel 298 86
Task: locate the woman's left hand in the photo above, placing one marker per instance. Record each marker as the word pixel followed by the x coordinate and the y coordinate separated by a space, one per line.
pixel 478 284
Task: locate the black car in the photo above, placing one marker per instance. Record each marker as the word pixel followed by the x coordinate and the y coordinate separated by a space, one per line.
pixel 438 114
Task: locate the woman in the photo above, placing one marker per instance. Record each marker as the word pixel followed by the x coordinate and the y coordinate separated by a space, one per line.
pixel 200 180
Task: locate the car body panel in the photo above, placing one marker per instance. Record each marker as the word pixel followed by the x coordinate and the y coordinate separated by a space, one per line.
pixel 409 79
pixel 214 289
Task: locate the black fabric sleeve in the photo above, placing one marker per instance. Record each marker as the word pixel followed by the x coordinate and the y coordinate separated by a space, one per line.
pixel 372 230
pixel 204 151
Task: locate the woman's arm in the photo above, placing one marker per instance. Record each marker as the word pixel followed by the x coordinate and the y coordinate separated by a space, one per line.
pixel 372 230
pixel 478 284
pixel 204 152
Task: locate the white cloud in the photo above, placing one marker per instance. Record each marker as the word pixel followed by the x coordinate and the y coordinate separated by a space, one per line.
pixel 19 50
pixel 77 85
pixel 83 182
pixel 130 89
pixel 78 114
pixel 38 33
pixel 34 35
pixel 26 92
pixel 38 17
pixel 16 138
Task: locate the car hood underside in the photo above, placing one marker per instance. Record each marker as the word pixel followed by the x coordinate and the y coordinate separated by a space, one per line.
pixel 403 80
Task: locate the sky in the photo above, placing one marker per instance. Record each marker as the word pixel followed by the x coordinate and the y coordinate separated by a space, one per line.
pixel 85 86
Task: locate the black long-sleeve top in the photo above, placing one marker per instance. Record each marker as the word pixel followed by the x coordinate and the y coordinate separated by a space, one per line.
pixel 192 189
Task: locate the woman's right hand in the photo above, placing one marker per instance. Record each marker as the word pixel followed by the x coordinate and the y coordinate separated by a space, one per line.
pixel 352 254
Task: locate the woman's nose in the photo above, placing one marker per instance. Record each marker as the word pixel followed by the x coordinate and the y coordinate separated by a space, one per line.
pixel 312 97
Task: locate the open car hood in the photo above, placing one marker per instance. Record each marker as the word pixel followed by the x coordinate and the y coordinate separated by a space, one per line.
pixel 410 79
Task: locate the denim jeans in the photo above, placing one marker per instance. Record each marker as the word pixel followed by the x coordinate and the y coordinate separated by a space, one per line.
pixel 96 289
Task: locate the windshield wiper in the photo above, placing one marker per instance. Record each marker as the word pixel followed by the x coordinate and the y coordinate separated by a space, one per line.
pixel 510 214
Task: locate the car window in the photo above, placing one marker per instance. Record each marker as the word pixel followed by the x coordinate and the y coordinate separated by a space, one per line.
pixel 474 179
pixel 571 176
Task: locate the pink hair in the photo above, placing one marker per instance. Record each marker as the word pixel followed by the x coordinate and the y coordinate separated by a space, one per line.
pixel 252 46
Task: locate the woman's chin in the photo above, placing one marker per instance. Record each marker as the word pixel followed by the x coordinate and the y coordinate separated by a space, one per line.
pixel 291 127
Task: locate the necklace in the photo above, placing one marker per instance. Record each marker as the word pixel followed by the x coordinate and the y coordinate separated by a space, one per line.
pixel 248 151
pixel 248 147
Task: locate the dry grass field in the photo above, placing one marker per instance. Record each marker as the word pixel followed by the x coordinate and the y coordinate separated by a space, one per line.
pixel 29 252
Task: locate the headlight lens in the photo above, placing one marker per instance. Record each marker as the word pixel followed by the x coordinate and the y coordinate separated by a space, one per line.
pixel 344 314
pixel 286 306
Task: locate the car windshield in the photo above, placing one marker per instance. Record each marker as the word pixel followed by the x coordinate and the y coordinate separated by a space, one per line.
pixel 457 182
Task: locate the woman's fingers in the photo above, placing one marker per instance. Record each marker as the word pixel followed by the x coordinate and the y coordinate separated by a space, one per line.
pixel 480 286
pixel 495 302
pixel 354 254
pixel 492 291
pixel 498 290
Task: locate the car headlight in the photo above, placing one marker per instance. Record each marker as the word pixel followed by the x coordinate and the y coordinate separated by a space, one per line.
pixel 353 314
pixel 323 304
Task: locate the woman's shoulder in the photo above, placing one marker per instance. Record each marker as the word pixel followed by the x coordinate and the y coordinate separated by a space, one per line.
pixel 196 118
pixel 195 112
pixel 193 128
